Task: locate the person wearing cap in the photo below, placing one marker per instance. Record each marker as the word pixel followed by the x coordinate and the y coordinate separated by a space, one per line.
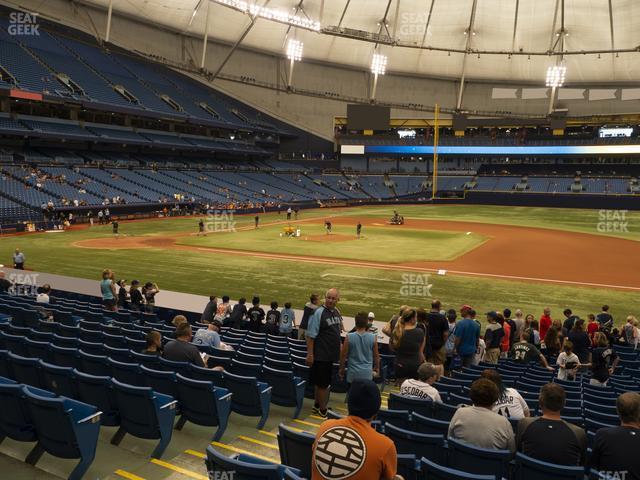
pixel 209 336
pixel 349 447
pixel 467 336
pixel 428 374
pixel 123 296
pixel 135 296
pixel 493 338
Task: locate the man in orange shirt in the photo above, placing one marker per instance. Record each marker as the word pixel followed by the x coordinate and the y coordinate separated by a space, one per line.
pixel 545 322
pixel 349 448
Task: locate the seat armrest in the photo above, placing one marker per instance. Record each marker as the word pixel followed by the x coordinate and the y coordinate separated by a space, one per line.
pixel 95 418
pixel 169 405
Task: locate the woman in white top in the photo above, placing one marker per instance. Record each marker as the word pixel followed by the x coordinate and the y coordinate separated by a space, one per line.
pixel 510 403
pixel 568 362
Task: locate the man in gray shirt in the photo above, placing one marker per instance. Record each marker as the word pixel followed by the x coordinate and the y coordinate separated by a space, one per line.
pixel 18 260
pixel 479 425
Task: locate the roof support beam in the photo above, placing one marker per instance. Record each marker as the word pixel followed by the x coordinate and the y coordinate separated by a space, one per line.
pixel 426 27
pixel 613 40
pixel 515 26
pixel 344 12
pixel 472 20
pixel 236 45
pixel 109 15
pixel 205 40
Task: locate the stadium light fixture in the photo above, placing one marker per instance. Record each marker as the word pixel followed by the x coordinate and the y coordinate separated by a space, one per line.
pixel 276 15
pixel 294 50
pixel 294 54
pixel 556 75
pixel 378 64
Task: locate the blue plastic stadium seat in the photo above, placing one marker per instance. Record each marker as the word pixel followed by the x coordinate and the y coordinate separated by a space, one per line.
pixel 94 364
pixel 171 366
pixel 37 349
pixel 59 380
pixel 398 418
pixel 527 468
pixel 64 356
pixel 206 375
pixel 128 373
pixel 301 370
pixel 418 405
pixel 250 397
pixel 481 461
pixel 244 466
pixel 160 381
pixel 117 354
pixel 444 411
pixel 144 414
pixel 291 475
pixel 295 449
pixel 434 471
pixel 14 343
pixel 418 444
pixel 203 403
pixel 151 361
pixel 245 369
pixel 288 390
pixel 65 428
pixel 15 417
pixel 25 370
pixel 428 425
pixel 98 391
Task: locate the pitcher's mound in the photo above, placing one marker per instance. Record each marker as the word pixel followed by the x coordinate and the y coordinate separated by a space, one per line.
pixel 334 237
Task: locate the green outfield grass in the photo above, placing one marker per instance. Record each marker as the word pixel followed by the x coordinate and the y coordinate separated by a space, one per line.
pixel 378 244
pixel 365 289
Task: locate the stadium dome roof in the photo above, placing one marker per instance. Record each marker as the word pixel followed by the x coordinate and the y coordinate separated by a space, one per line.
pixel 507 40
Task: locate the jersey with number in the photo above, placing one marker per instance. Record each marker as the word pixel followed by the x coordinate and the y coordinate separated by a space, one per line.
pixel 511 404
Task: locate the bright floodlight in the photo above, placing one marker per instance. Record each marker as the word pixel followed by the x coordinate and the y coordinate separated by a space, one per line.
pixel 556 76
pixel 294 50
pixel 379 64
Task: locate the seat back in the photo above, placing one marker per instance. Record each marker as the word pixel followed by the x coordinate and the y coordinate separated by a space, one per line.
pixel 97 391
pixel 528 468
pixel 197 401
pixel 37 349
pixel 245 369
pixel 58 379
pixel 283 383
pixel 128 373
pixel 418 444
pixel 138 412
pixel 25 370
pixel 15 417
pixel 398 418
pixel 481 461
pixel 206 375
pixel 410 404
pixel 295 449
pixel 94 364
pixel 176 367
pixel 64 356
pixel 246 397
pixel 431 470
pixel 243 466
pixel 160 381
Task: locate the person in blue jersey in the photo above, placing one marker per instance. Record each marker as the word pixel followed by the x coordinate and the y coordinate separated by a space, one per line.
pixel 359 356
pixel 323 348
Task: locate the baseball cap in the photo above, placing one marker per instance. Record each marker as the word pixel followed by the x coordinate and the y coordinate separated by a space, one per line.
pixel 135 282
pixel 492 314
pixel 364 399
pixel 464 308
pixel 371 315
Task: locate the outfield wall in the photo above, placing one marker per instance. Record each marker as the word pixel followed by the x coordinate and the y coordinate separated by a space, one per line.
pixel 560 200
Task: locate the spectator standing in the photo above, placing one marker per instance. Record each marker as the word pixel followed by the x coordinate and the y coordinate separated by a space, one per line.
pixel 437 333
pixel 255 315
pixel 510 403
pixel 506 313
pixel 408 343
pixel 520 324
pixel 108 290
pixel 450 344
pixel 630 333
pixel 238 314
pixel 615 450
pixel 223 310
pixel 309 308
pixel 570 320
pixel 479 425
pixel 209 310
pixel 467 337
pixel 359 354
pixel 18 259
pixel 605 320
pixel 273 319
pixel 505 344
pixel 603 361
pixel 149 291
pixel 323 348
pixel 123 296
pixel 545 322
pixel 287 320
pixel 375 457
pixel 535 333
pixel 549 438
pixel 568 362
pixel 551 344
pixel 135 296
pixel 525 352
pixel 493 338
pixel 580 340
pixel 428 374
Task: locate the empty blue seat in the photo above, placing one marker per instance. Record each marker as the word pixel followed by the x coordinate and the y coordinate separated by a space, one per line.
pixel 481 461
pixel 434 471
pixel 287 389
pixel 244 466
pixel 250 397
pixel 14 343
pixel 37 348
pixel 301 370
pixel 15 417
pixel 245 369
pixel 98 391
pixel 25 370
pixel 428 425
pixel 59 380
pixel 94 336
pixel 65 428
pixel 64 356
pixel 151 361
pixel 171 366
pixel 206 375
pixel 398 418
pixel 527 468
pixel 160 380
pixel 118 354
pixel 291 475
pixel 418 444
pixel 128 373
pixel 203 403
pixel 295 449
pixel 144 414
pixel 444 411
pixel 94 348
pixel 94 364
pixel 418 405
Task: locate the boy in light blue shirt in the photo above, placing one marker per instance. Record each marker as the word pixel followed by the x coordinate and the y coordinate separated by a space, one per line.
pixel 287 320
pixel 208 336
